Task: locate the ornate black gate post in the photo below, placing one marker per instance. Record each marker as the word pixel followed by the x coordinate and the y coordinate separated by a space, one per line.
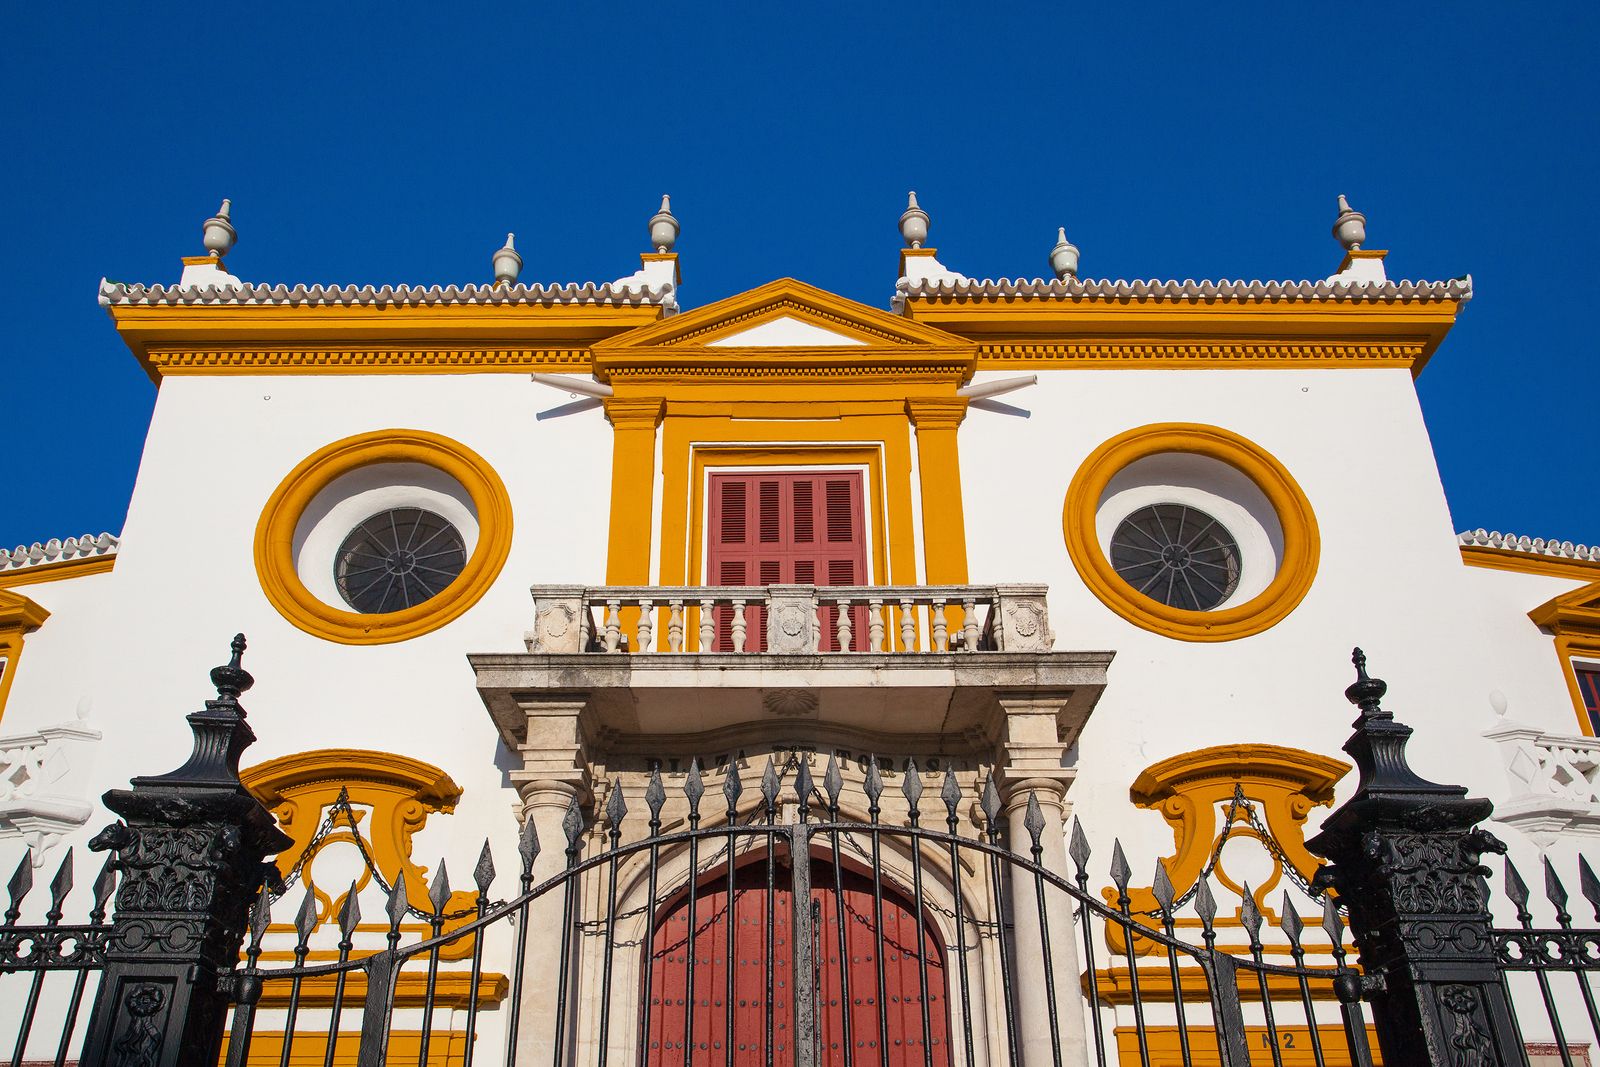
pixel 190 846
pixel 1405 857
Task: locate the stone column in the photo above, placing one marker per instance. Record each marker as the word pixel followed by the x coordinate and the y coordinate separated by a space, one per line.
pixel 1032 763
pixel 554 775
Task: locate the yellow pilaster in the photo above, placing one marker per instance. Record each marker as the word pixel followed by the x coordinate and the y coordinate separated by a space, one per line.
pixel 633 468
pixel 944 529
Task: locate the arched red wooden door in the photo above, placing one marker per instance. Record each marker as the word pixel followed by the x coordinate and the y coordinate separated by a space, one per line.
pixel 696 1034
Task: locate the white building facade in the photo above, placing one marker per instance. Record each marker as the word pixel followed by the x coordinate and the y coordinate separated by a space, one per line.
pixel 1103 545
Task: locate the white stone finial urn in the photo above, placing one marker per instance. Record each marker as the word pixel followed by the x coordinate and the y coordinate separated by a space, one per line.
pixel 217 233
pixel 1350 228
pixel 914 223
pixel 507 263
pixel 1064 256
pixel 664 228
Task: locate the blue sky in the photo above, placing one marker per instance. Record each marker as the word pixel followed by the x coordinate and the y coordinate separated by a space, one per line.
pixel 381 143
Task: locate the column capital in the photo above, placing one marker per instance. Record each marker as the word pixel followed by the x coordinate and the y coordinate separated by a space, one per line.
pixel 936 412
pixel 1052 792
pixel 634 412
pixel 1031 752
pixel 547 793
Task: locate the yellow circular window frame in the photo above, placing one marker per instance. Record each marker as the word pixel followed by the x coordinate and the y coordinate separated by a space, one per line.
pixel 1301 542
pixel 274 545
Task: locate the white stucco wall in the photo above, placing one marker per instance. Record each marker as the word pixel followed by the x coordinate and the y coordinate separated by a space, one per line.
pixel 1390 577
pixel 185 582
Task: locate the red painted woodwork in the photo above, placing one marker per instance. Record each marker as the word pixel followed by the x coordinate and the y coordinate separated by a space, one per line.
pixel 1589 687
pixel 787 528
pixel 708 1018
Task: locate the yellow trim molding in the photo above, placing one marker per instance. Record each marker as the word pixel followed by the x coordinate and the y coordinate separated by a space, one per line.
pixel 728 404
pixel 1129 332
pixel 690 350
pixel 392 795
pixel 370 339
pixel 19 617
pixel 58 571
pixel 453 989
pixel 1165 1046
pixel 274 543
pixel 1506 559
pixel 446 1048
pixel 1191 791
pixel 1301 541
pixel 1574 620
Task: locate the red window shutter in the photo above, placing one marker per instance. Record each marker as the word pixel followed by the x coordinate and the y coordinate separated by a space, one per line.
pixel 786 512
pixel 729 512
pixel 771 512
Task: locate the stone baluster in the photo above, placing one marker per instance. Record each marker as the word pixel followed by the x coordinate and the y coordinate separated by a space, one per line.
pixel 708 625
pixel 613 625
pixel 675 627
pixel 969 625
pixel 740 625
pixel 845 636
pixel 941 629
pixel 875 624
pixel 908 625
pixel 647 625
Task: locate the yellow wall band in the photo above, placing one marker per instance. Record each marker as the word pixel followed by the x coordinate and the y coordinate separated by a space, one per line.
pixel 1301 542
pixel 275 565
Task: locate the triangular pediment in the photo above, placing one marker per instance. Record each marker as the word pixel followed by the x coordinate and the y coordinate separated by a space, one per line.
pixel 786 313
pixel 785 331
pixel 1576 610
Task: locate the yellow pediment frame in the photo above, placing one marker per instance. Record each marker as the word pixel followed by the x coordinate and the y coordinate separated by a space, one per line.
pixel 1573 618
pixel 702 345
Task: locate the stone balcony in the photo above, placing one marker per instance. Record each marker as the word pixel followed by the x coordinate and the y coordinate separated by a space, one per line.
pixel 947 672
pixel 1554 781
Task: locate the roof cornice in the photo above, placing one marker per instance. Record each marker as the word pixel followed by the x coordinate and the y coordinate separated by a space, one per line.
pixel 56 559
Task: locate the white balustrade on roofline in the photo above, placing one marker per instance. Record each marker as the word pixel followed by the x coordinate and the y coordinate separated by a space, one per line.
pixel 1554 778
pixel 791 619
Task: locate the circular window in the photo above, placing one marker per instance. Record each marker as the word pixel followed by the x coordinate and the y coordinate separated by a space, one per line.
pixel 1178 555
pixel 397 559
pixel 383 537
pixel 1191 531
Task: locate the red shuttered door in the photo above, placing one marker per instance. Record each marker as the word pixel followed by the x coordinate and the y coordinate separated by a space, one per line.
pixel 800 528
pixel 672 1016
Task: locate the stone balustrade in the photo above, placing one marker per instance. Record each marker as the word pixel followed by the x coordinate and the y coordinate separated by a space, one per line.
pixel 1554 779
pixel 44 779
pixel 791 619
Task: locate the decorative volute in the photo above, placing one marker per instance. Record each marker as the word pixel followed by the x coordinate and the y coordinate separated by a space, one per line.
pixel 1064 256
pixel 914 223
pixel 1350 228
pixel 507 263
pixel 664 227
pixel 217 233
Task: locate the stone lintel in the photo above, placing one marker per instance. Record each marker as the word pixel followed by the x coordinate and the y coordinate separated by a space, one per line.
pixel 693 697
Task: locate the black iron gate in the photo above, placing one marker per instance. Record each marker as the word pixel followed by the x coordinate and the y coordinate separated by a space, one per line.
pixel 1035 970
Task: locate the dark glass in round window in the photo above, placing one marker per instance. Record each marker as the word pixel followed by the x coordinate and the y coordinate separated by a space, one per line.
pixel 1178 555
pixel 396 559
